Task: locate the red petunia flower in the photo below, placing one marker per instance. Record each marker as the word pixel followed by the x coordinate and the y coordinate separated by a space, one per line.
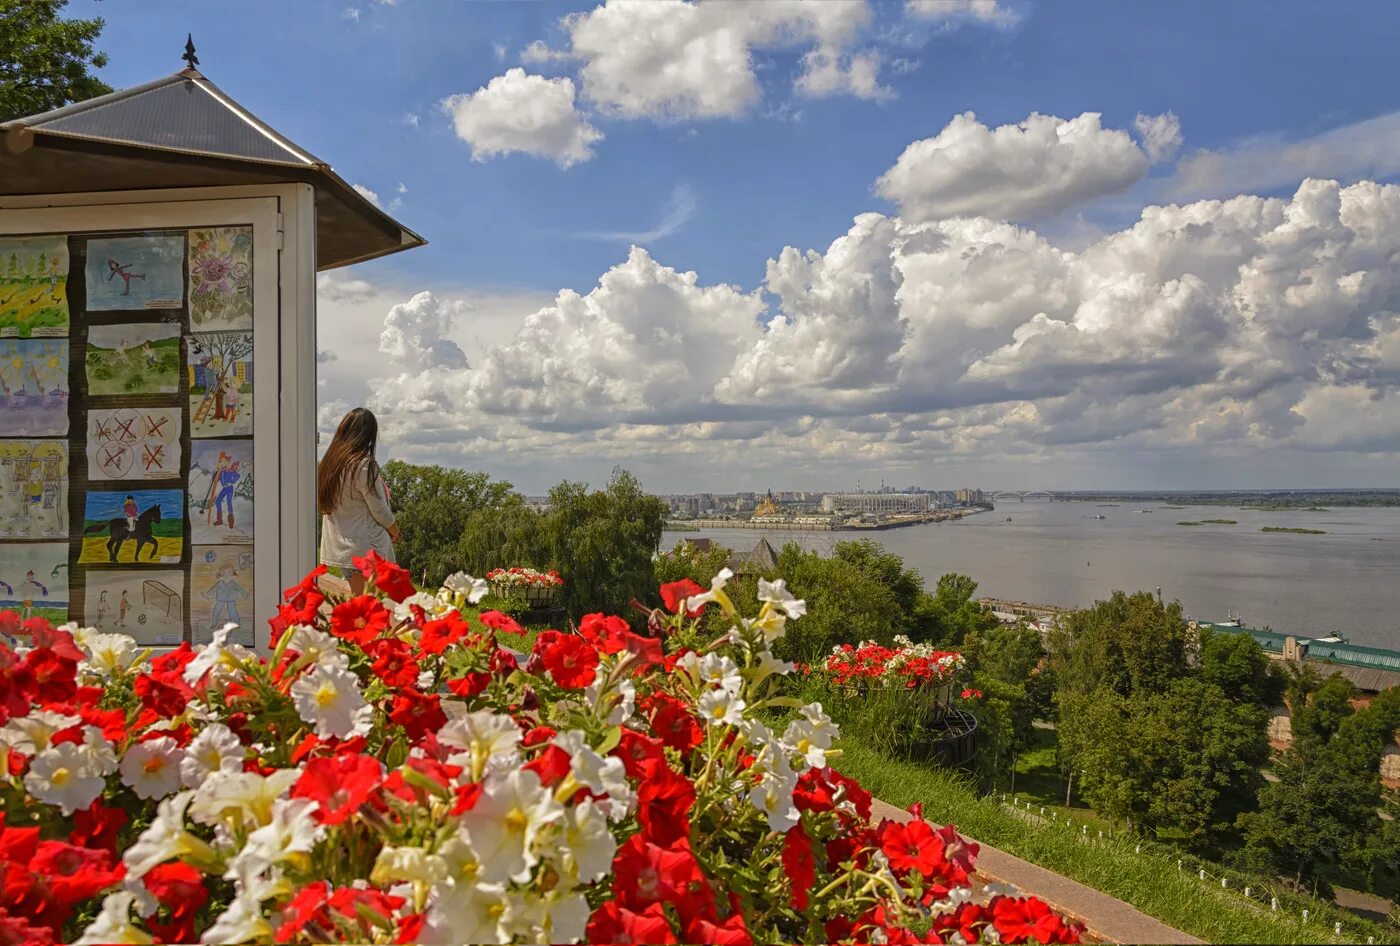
pixel 1023 919
pixel 306 907
pixel 674 594
pixel 164 694
pixel 636 751
pixel 18 931
pixel 388 577
pixel 673 723
pixel 417 712
pixel 732 932
pixel 612 923
pixel 799 865
pixel 664 800
pixel 338 784
pixel 359 620
pixel 96 826
pixel 181 891
pixel 500 622
pixel 912 846
pixel 645 873
pixel 551 766
pixel 469 685
pixel 394 663
pixel 53 676
pixel 611 635
pixel 443 633
pixel 570 660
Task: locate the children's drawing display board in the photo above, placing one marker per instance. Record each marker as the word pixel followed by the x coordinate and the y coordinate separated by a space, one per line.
pixel 133 425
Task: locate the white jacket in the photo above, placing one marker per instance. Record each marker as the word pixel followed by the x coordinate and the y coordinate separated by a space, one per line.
pixel 360 522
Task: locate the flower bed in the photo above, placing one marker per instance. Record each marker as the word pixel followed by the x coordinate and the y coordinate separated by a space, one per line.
pixel 394 774
pixel 898 699
pixel 536 589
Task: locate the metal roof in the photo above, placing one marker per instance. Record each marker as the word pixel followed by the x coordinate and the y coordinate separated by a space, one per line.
pixel 184 131
pixel 1355 655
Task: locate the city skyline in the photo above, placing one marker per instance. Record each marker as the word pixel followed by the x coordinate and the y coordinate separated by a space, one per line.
pixel 853 236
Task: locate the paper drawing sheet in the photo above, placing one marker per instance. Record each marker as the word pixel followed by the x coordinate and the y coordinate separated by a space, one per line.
pixel 134 443
pixel 33 286
pixel 142 526
pixel 34 580
pixel 33 489
pixel 33 387
pixel 221 383
pixel 147 604
pixel 221 492
pixel 137 272
pixel 221 592
pixel 221 278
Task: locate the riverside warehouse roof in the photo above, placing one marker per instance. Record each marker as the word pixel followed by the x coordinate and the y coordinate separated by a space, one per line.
pixel 1355 655
pixel 183 131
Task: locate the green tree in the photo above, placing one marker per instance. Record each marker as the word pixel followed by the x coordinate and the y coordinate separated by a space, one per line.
pixel 603 543
pixel 1129 644
pixel 686 560
pixel 1238 665
pixel 433 505
pixel 955 613
pixel 1322 810
pixel 46 61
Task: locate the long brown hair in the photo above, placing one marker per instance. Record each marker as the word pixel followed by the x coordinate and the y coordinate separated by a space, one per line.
pixel 354 442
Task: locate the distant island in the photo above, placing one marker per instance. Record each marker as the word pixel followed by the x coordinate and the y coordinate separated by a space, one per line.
pixel 1209 522
pixel 1293 529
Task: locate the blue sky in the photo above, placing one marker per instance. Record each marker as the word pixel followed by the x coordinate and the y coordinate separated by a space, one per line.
pixel 363 84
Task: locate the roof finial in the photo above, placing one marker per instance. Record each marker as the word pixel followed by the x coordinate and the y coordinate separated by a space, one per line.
pixel 189 55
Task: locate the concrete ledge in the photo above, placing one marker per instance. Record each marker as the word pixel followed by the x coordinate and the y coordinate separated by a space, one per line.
pixel 1106 918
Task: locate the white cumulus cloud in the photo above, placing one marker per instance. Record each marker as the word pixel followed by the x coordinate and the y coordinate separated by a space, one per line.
pixel 1161 134
pixel 518 112
pixel 1032 169
pixel 990 12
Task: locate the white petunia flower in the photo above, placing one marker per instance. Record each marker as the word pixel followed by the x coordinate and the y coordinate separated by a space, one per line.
pixel 503 825
pixel 217 657
pixel 329 698
pixel 164 839
pixel 721 708
pixel 586 845
pixel 317 646
pixel 812 735
pixel 215 749
pixel 109 653
pixel 489 742
pixel 432 605
pixel 292 829
pixel 245 797
pixel 768 665
pixel 715 594
pixel 113 924
pixel 776 593
pixel 623 710
pixel 152 768
pixel 241 922
pixel 67 776
pixel 102 753
pixel 463 584
pixel 406 863
pixel 31 734
pixel 567 918
pixel 474 913
pixel 773 796
pixel 720 671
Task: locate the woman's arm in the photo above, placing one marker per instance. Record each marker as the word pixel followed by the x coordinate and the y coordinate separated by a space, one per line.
pixel 378 503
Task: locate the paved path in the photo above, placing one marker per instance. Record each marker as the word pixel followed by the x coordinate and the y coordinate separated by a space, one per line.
pixel 1107 918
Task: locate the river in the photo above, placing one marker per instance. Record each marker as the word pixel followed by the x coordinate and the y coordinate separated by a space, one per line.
pixel 1056 553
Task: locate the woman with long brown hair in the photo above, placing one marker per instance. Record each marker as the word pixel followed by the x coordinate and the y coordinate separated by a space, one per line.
pixel 353 500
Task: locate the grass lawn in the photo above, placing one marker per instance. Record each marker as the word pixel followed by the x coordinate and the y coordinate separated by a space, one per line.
pixel 1149 881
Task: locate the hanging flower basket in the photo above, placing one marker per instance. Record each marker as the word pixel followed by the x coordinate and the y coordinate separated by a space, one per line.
pixel 539 589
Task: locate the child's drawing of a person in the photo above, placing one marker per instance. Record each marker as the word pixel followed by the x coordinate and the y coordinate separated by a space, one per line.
pixel 225 593
pixel 103 606
pixel 227 479
pixel 231 401
pixel 31 585
pixel 122 606
pixel 130 510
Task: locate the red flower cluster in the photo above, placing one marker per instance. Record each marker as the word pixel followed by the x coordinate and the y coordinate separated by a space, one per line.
pixel 525 577
pixel 910 666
